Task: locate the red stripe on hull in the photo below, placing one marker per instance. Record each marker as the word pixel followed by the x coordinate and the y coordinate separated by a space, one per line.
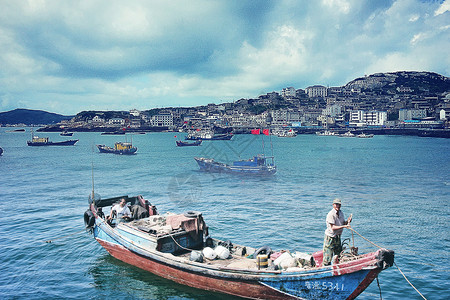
pixel 246 289
pixel 365 283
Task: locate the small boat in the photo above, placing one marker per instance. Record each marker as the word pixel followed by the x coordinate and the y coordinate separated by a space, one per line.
pixel 287 133
pixel 325 133
pixel 119 148
pixel 365 136
pixel 257 165
pixel 179 247
pixel 16 130
pixel 347 134
pixel 1 151
pixel 208 135
pixel 44 141
pixel 184 144
pixel 66 133
pixel 117 132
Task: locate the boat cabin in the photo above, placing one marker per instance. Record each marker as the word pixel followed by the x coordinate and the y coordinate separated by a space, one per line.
pixel 37 139
pixel 122 146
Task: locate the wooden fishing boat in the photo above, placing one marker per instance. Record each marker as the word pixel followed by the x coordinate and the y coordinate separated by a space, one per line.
pixel 257 165
pixel 184 144
pixel 119 148
pixel 178 247
pixel 207 135
pixel 66 133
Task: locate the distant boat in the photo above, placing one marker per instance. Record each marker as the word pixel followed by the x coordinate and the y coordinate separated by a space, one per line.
pixel 16 130
pixel 1 151
pixel 257 165
pixel 184 144
pixel 117 132
pixel 207 135
pixel 363 135
pixel 44 141
pixel 325 133
pixel 178 247
pixel 66 133
pixel 347 134
pixel 119 148
pixel 287 133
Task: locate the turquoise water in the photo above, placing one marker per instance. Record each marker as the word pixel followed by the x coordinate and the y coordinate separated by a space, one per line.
pixel 398 189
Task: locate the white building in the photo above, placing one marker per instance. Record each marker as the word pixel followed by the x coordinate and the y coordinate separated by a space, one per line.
pixel 96 120
pixel 135 112
pixel 411 114
pixel 284 117
pixel 116 122
pixel 316 91
pixel 162 120
pixel 444 114
pixel 332 110
pixel 371 118
pixel 288 92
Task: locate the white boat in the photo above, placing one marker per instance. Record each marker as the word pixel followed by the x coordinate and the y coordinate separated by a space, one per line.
pixel 363 135
pixel 325 133
pixel 347 134
pixel 286 133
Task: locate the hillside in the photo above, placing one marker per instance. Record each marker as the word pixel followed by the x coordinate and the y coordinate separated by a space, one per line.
pixel 418 82
pixel 30 117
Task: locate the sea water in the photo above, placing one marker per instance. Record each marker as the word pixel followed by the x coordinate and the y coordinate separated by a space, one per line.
pixel 396 187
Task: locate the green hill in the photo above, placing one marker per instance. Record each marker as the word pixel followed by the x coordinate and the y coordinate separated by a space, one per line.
pixel 30 117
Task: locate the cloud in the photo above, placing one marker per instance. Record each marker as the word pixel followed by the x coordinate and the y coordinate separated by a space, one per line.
pixel 119 55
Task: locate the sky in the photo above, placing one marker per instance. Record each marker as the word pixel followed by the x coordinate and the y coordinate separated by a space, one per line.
pixel 69 56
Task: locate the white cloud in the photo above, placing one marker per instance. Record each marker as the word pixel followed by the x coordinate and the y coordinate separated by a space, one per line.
pixel 114 54
pixel 445 7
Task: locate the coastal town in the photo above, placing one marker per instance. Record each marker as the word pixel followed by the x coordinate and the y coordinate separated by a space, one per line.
pixel 401 100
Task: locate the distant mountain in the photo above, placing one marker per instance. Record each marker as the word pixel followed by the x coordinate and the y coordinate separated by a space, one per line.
pixel 417 82
pixel 31 117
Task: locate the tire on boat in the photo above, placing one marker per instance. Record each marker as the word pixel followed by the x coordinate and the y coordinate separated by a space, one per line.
pixel 89 219
pixel 192 214
pixel 263 250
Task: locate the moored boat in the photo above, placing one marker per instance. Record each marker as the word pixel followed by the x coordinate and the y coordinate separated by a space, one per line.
pixel 207 135
pixel 347 134
pixel 44 141
pixel 119 148
pixel 257 165
pixel 363 135
pixel 326 133
pixel 178 247
pixel 185 144
pixel 66 133
pixel 286 133
pixel 1 151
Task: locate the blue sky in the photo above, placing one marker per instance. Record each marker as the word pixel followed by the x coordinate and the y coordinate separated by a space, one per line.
pixel 68 56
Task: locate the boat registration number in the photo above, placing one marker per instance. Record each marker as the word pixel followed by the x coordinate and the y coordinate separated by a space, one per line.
pixel 324 285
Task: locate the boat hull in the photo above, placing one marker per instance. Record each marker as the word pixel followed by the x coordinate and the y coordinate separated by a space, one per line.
pixel 216 167
pixel 63 143
pixel 342 281
pixel 105 149
pixel 186 144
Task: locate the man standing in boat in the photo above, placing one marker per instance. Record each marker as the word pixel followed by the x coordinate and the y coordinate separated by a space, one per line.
pixel 335 225
pixel 122 211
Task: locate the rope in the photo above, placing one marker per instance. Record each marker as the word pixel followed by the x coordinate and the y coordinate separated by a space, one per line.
pixel 409 282
pixel 379 287
pixel 394 264
pixel 364 238
pixel 62 237
pixel 180 245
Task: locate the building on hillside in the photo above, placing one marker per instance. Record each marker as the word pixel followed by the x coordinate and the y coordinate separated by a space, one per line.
pixel 369 118
pixel 316 91
pixel 284 117
pixel 411 114
pixel 163 119
pixel 116 122
pixel 288 92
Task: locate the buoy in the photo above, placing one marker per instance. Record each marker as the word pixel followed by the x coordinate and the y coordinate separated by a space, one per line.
pixel 262 260
pixel 209 253
pixel 196 256
pixel 222 252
